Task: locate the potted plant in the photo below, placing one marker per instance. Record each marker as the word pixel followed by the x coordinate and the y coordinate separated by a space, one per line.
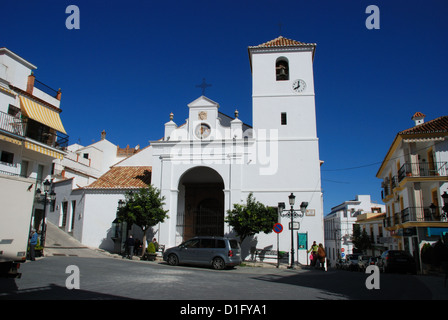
pixel 150 253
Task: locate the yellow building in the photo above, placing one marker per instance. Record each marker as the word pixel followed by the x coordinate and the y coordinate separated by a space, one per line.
pixel 414 177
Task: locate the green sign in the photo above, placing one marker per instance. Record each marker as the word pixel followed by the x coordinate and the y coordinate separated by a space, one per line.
pixel 302 240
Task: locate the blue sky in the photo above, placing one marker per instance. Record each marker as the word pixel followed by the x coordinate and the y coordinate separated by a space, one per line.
pixel 133 62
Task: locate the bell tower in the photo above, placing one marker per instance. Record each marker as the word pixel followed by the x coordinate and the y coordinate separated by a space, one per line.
pixel 283 87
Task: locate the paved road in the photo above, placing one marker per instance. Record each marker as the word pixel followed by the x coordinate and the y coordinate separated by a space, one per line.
pixel 113 278
pixel 106 276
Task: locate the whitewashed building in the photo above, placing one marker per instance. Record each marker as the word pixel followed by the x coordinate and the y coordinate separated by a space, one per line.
pixel 81 167
pixel 31 131
pixel 213 160
pixel 339 225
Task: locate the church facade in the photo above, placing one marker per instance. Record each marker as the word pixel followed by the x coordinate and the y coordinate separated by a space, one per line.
pixel 213 161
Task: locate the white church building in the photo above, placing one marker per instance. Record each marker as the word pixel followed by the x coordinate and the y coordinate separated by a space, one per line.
pixel 211 161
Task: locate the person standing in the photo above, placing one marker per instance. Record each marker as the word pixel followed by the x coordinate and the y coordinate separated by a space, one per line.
pixel 313 251
pixel 321 255
pixel 130 243
pixel 33 243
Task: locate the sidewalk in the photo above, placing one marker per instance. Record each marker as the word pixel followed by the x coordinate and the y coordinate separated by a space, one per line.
pixel 59 243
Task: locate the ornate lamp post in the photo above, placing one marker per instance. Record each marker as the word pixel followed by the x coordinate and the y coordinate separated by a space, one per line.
pixel 47 196
pixel 117 228
pixel 292 213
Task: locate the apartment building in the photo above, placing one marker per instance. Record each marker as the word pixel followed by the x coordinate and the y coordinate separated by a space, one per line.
pixel 31 131
pixel 339 223
pixel 415 183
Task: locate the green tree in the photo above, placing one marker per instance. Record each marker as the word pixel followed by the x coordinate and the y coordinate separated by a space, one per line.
pixel 251 218
pixel 144 209
pixel 360 239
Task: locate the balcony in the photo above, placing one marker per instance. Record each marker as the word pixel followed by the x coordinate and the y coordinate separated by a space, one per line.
pixel 12 124
pixel 421 214
pixel 415 214
pixel 45 135
pixel 29 128
pixel 423 169
pixel 386 188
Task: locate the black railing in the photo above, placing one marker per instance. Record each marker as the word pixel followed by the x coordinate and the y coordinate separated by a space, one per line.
pixel 45 135
pixel 46 89
pixel 420 214
pixel 422 169
pixel 386 189
pixel 387 222
pixel 414 214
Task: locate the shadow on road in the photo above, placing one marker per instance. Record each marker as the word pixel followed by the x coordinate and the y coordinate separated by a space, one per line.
pixel 337 284
pixel 9 291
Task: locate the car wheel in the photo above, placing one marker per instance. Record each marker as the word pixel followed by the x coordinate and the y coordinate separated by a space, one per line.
pixel 173 260
pixel 218 263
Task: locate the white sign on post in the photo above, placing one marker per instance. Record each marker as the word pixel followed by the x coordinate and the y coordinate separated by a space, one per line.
pixel 295 226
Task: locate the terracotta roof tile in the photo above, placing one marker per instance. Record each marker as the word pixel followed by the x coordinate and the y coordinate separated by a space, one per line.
pixel 418 115
pixel 123 178
pixel 438 125
pixel 282 42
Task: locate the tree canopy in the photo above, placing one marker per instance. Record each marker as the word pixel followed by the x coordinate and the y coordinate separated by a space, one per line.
pixel 251 218
pixel 360 239
pixel 143 208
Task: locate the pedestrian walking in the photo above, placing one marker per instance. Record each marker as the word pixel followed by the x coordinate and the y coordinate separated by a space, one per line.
pixel 137 246
pixel 33 243
pixel 321 255
pixel 130 243
pixel 313 251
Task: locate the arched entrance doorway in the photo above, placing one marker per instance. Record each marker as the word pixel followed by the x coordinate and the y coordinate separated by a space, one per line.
pixel 200 204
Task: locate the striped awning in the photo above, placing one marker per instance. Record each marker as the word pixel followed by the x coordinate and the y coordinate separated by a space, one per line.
pixel 9 139
pixel 43 150
pixel 42 114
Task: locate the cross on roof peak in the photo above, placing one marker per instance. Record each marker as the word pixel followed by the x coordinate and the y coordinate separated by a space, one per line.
pixel 203 86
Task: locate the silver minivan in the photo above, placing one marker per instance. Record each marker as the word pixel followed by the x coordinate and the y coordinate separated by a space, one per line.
pixel 217 252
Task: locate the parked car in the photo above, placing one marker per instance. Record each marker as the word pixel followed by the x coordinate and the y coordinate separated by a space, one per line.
pixel 341 264
pixel 363 262
pixel 373 261
pixel 352 261
pixel 217 252
pixel 397 260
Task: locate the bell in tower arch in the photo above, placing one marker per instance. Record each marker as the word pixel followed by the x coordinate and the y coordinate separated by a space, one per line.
pixel 282 69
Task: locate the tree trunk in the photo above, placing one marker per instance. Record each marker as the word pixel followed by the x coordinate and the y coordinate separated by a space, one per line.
pixel 144 242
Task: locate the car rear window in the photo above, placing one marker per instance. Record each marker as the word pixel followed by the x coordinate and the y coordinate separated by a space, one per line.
pixel 398 254
pixel 234 244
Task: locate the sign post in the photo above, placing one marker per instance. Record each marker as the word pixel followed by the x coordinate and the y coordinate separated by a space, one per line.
pixel 278 228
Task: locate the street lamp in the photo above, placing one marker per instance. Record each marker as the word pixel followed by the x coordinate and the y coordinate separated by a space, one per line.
pixel 45 197
pixel 292 213
pixel 117 227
